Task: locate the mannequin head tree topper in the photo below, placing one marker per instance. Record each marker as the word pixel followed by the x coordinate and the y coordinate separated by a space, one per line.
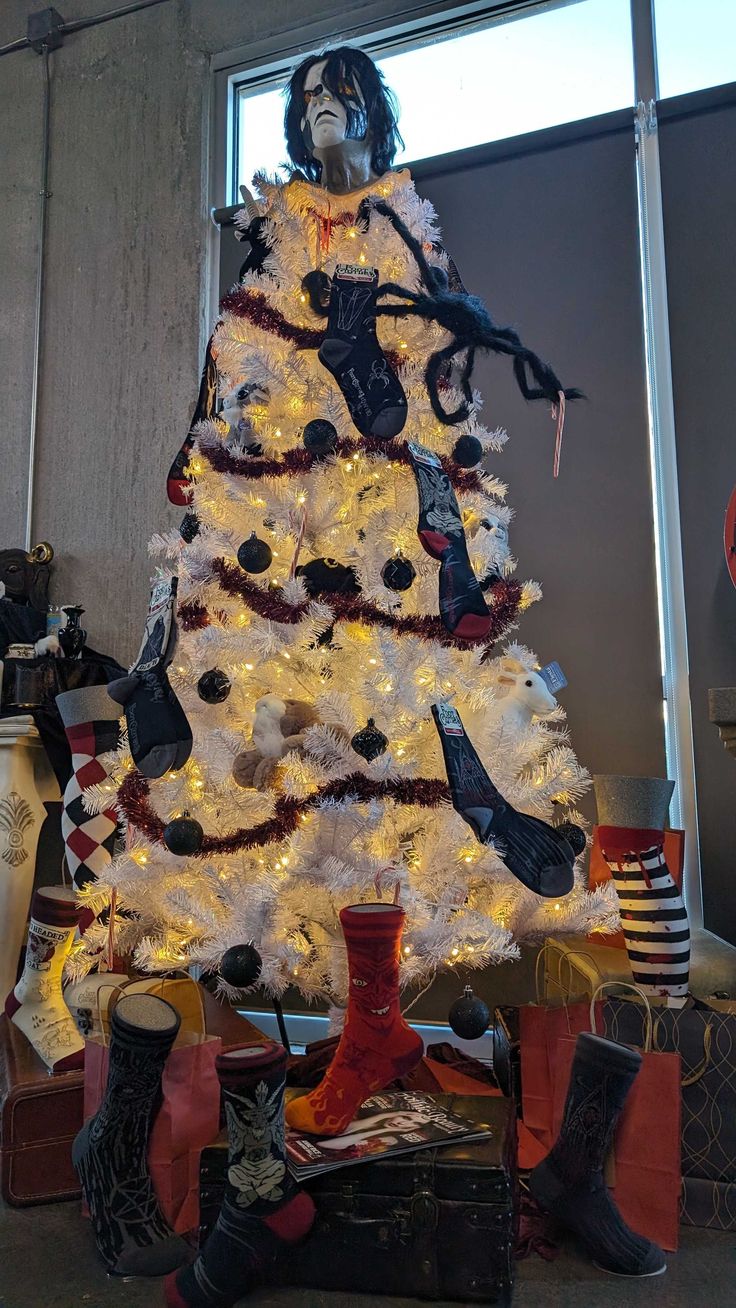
pixel 336 97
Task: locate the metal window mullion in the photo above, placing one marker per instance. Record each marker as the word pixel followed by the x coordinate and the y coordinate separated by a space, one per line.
pixel 663 455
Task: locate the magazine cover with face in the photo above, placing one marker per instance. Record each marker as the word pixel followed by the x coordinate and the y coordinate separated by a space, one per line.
pixel 385 1124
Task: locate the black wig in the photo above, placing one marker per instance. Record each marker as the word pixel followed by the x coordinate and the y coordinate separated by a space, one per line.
pixel 376 117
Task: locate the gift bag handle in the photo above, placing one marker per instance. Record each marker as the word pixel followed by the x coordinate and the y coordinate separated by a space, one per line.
pixel 627 985
pixel 567 956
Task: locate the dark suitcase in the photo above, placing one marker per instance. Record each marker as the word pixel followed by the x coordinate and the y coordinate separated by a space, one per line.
pixel 40 1115
pixel 436 1224
pixel 507 1052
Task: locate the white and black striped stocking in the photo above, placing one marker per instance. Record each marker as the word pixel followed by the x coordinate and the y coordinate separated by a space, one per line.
pixel 653 914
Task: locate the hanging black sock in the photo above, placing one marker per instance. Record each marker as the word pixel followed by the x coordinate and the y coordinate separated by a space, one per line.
pixel 159 733
pixel 262 1209
pixel 351 352
pixel 533 850
pixel 178 480
pixel 133 1237
pixel 463 609
pixel 569 1182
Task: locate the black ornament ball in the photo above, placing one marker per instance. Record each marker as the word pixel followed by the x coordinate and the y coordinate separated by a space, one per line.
pixel 213 686
pixel 241 966
pixel 320 437
pixel 183 835
pixel 574 835
pixel 398 573
pixel 469 1016
pixel 467 451
pixel 369 742
pixel 328 577
pixel 189 527
pixel 254 555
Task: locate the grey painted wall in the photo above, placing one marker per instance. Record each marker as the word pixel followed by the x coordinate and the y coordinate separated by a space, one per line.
pixel 125 301
pixel 699 192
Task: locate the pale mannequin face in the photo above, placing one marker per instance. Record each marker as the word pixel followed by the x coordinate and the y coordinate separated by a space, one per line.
pixel 325 119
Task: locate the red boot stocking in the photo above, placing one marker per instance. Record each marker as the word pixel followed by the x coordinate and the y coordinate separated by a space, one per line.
pixel 377 1045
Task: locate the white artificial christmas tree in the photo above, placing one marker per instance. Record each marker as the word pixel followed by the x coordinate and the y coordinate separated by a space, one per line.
pixel 298 823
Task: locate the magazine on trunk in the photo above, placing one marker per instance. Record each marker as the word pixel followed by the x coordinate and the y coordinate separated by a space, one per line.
pixel 385 1125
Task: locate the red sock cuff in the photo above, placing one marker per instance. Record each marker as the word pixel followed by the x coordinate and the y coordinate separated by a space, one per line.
pixel 619 841
pixel 242 1062
pixel 385 924
pixel 51 911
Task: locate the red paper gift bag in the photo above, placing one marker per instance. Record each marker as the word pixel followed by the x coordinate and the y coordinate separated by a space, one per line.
pixel 644 1174
pixel 540 1028
pixel 187 1121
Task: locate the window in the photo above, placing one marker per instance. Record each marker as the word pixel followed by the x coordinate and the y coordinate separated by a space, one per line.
pixel 498 80
pixel 696 44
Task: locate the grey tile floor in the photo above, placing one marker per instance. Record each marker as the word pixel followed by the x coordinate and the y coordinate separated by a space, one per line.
pixel 47 1260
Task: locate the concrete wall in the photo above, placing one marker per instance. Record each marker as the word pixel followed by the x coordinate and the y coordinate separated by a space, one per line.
pixel 124 311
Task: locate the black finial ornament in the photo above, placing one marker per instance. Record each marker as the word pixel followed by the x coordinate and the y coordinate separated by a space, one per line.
pixel 469 1016
pixel 213 686
pixel 320 437
pixel 369 742
pixel 467 451
pixel 241 966
pixel 328 577
pixel 254 555
pixel 189 527
pixel 398 573
pixel 574 835
pixel 183 836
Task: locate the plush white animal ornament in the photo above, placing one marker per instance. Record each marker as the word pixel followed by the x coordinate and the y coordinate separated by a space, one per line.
pixel 525 694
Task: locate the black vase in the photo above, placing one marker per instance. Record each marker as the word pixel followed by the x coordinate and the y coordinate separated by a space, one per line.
pixel 72 636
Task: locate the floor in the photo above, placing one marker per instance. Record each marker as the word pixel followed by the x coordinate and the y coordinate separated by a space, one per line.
pixel 47 1260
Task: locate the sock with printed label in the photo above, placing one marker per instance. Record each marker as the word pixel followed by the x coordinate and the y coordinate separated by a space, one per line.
pixel 537 854
pixel 262 1210
pixel 463 608
pixel 377 1045
pixel 36 1005
pixel 351 352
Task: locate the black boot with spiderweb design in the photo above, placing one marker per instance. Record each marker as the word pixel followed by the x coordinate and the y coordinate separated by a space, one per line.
pixel 569 1182
pixel 535 852
pixel 133 1237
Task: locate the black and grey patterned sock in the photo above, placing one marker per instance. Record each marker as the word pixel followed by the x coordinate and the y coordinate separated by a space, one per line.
pixel 569 1182
pixel 158 731
pixel 534 851
pixel 110 1153
pixel 262 1209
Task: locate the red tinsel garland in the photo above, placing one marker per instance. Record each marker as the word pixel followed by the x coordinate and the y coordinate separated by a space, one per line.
pixel 353 608
pixel 254 305
pixel 297 459
pixel 425 792
pixel 192 617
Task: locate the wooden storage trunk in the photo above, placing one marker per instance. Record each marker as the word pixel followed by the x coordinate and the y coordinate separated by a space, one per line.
pixel 436 1224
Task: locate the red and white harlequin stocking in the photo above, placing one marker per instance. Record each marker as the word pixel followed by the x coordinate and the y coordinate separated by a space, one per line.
pixel 91 723
pixel 377 1045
